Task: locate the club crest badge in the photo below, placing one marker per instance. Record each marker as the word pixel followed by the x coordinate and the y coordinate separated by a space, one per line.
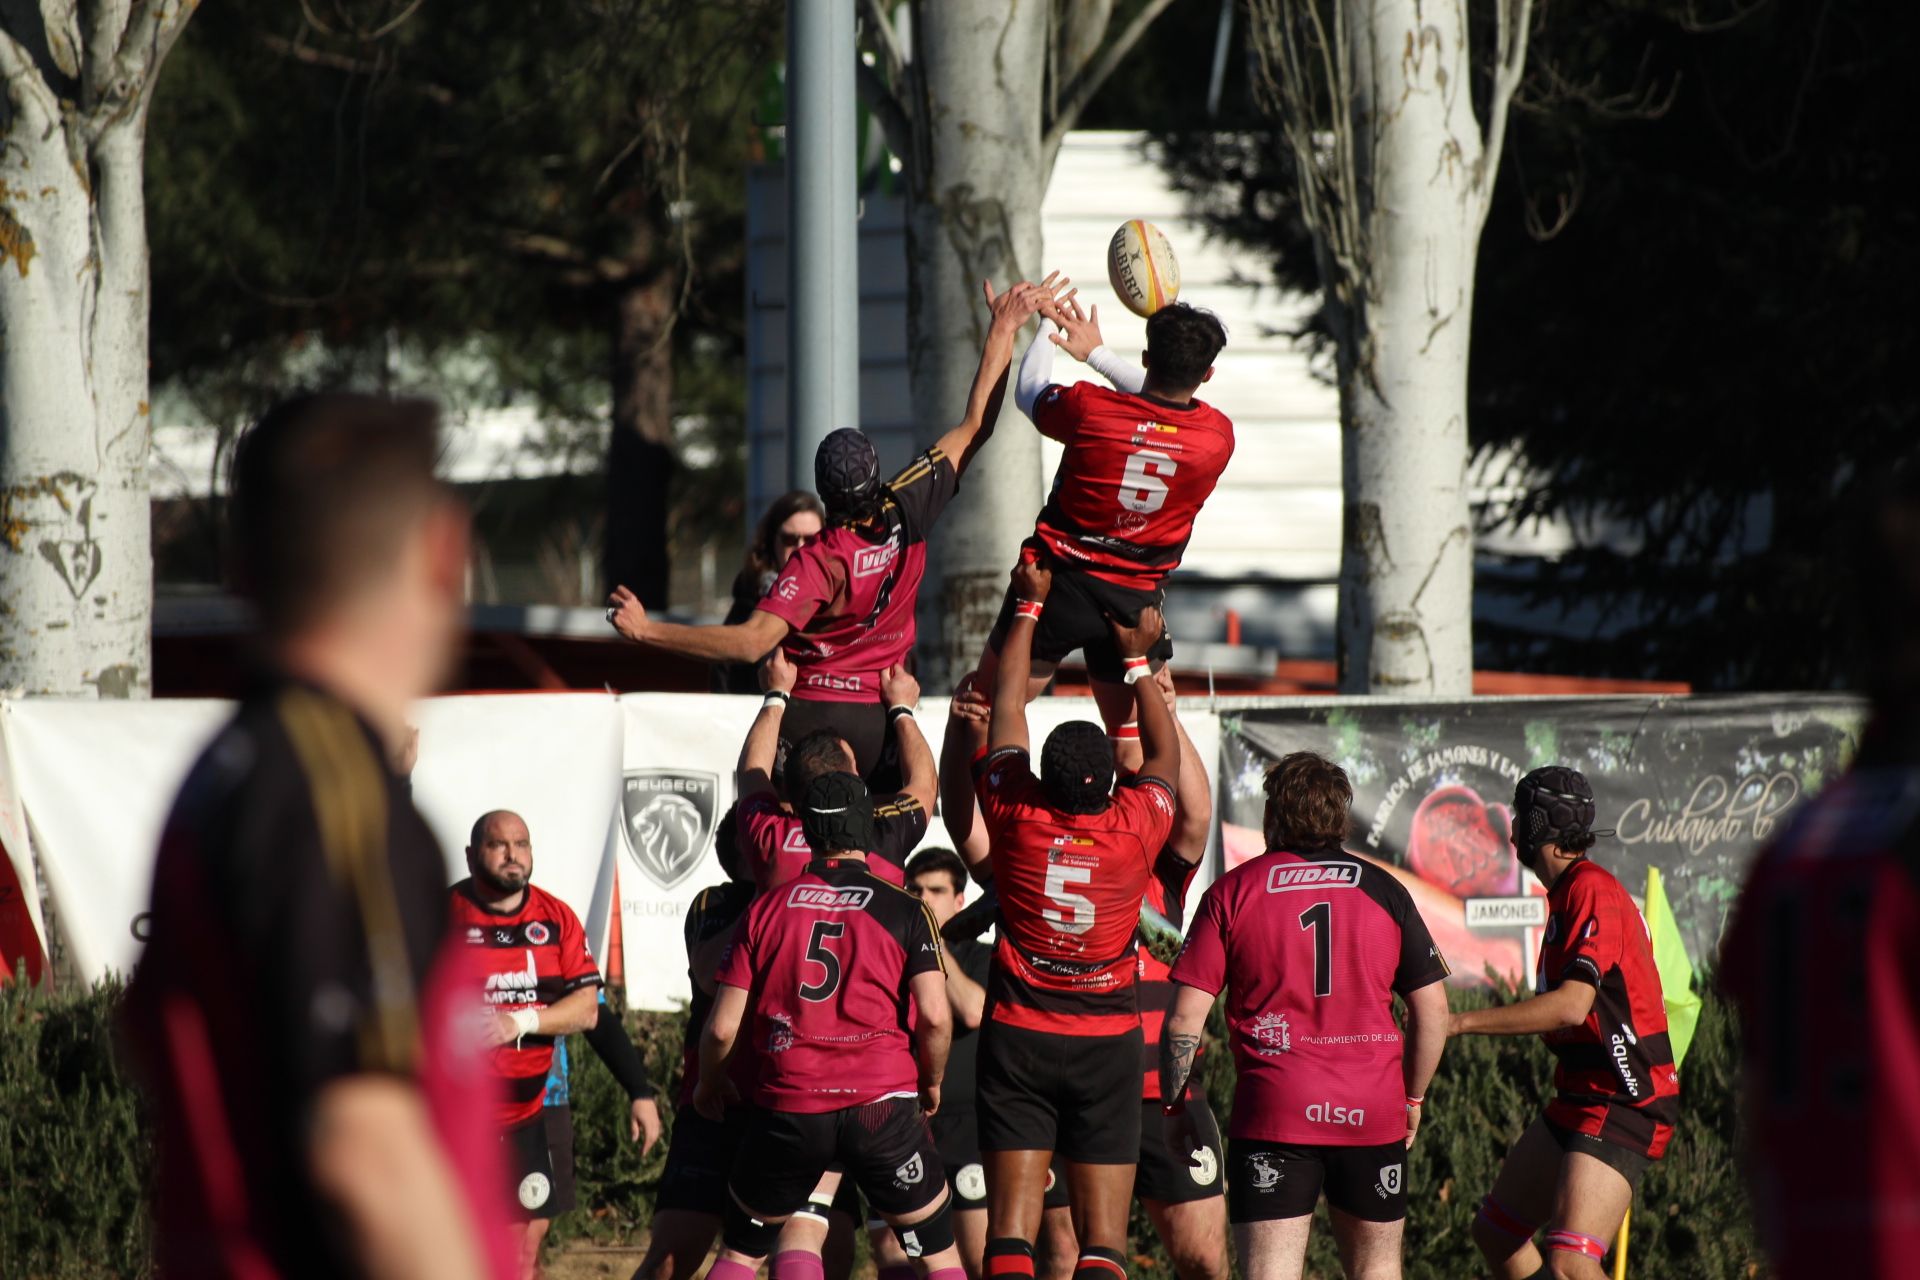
pixel 669 817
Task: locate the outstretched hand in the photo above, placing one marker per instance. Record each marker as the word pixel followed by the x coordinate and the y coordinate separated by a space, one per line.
pixel 1032 578
pixel 1079 330
pixel 1135 641
pixel 627 614
pixel 777 672
pixel 1013 308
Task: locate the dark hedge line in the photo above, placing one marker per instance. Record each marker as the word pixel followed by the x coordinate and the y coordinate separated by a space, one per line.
pixel 74 1153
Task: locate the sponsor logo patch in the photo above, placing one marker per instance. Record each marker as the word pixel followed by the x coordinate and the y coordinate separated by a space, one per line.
pixel 538 933
pixel 1328 1113
pixel 1313 875
pixel 971 1182
pixel 1203 1167
pixel 1261 1175
pixel 1389 1184
pixel 669 821
pixel 534 1190
pixel 816 897
pixel 871 560
pixel 910 1173
pixel 1272 1034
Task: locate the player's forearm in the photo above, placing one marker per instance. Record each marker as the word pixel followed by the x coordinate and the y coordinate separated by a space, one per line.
pixel 964 828
pixel 575 1012
pixel 967 998
pixel 1193 797
pixel 922 775
pixel 1123 373
pixel 1008 727
pixel 1036 368
pixel 1179 1045
pixel 754 773
pixel 738 643
pixel 1426 1039
pixel 1563 1007
pixel 984 398
pixel 1159 740
pixel 931 1046
pixel 610 1040
pixel 716 1045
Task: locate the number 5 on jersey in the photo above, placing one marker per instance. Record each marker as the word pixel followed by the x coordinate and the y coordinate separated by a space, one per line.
pixel 817 953
pixel 1070 912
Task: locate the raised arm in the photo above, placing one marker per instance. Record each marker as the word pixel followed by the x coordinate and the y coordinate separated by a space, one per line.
pixel 1007 312
pixel 747 641
pixel 1193 793
pixel 753 775
pixel 965 739
pixel 1159 739
pixel 1008 726
pixel 1063 324
pixel 920 776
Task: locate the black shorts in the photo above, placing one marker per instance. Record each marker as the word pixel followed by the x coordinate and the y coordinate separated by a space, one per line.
pixel 885 1148
pixel 862 724
pixel 968 1182
pixel 1075 617
pixel 1078 1096
pixel 1268 1180
pixel 559 1120
pixel 1628 1163
pixel 699 1158
pixel 1179 1178
pixel 529 1168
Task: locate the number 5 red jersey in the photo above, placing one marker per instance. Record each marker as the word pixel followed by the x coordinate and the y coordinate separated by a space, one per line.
pixel 1135 475
pixel 1070 889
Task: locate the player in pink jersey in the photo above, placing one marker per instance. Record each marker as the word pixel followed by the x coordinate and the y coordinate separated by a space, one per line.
pixel 843 608
pixel 773 768
pixel 1820 959
pixel 1311 944
pixel 836 985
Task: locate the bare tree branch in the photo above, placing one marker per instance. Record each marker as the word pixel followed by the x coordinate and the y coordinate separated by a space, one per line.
pixel 887 108
pixel 1515 25
pixel 886 40
pixel 106 22
pixel 34 101
pixel 1078 28
pixel 306 54
pixel 1084 85
pixel 40 48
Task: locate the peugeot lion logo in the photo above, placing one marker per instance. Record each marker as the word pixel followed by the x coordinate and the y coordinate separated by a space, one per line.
pixel 669 821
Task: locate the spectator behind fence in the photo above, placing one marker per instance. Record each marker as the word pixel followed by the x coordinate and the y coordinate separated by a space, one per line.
pixel 293 1015
pixel 795 519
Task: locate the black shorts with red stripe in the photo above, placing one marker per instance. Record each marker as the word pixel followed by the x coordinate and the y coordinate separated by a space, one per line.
pixel 1075 617
pixel 1075 1095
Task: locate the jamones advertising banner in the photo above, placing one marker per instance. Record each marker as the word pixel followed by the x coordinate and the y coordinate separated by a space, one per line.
pixel 1693 786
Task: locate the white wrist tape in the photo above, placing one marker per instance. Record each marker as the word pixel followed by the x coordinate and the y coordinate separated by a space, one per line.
pixel 525 1022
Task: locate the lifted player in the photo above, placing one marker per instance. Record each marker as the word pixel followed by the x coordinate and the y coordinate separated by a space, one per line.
pixel 1139 463
pixel 1060 1054
pixel 1820 960
pixel 843 608
pixel 772 770
pixel 1311 945
pixel 839 964
pixel 1600 1009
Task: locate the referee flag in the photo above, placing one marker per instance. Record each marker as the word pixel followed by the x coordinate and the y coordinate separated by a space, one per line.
pixel 1676 970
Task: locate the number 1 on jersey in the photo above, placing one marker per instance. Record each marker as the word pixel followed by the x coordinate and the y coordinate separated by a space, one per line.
pixel 817 953
pixel 1319 918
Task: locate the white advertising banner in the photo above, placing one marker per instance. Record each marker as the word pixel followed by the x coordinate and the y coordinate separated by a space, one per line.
pixel 681 750
pixel 97 778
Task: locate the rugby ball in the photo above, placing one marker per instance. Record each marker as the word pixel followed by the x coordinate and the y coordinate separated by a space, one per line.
pixel 1141 268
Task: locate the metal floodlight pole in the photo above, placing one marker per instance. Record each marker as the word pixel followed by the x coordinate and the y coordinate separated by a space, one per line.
pixel 823 314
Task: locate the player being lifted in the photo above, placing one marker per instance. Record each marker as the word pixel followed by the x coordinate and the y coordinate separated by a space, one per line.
pixel 1140 461
pixel 839 965
pixel 1060 1054
pixel 843 608
pixel 1311 945
pixel 1602 1012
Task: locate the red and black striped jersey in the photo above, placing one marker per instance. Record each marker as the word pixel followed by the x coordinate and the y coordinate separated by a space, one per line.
pixel 1070 890
pixel 524 959
pixel 777 850
pixel 1134 477
pixel 1616 1079
pixel 1310 948
pixel 1156 1002
pixel 1820 958
pixel 830 958
pixel 1167 891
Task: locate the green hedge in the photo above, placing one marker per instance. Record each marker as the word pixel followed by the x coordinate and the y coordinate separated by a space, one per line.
pixel 74 1152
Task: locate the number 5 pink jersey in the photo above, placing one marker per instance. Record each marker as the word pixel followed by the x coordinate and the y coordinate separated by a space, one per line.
pixel 830 959
pixel 1310 948
pixel 1135 475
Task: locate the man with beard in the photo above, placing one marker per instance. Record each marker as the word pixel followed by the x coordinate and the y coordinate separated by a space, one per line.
pixel 528 961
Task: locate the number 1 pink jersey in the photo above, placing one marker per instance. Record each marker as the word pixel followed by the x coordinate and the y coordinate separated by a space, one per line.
pixel 1310 948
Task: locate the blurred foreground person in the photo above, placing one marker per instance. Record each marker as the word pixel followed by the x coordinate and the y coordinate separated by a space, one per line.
pixel 1820 958
pixel 525 960
pixel 310 1065
pixel 1600 1007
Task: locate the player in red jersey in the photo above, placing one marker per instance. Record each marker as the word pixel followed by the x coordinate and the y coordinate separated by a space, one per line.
pixel 1311 945
pixel 526 957
pixel 840 965
pixel 770 830
pixel 1820 959
pixel 1140 462
pixel 1072 857
pixel 843 608
pixel 1600 1009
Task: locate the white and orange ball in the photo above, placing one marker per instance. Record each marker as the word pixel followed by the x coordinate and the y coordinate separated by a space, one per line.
pixel 1141 267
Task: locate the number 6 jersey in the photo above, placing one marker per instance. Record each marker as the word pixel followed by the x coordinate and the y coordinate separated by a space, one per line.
pixel 1070 888
pixel 830 958
pixel 1135 474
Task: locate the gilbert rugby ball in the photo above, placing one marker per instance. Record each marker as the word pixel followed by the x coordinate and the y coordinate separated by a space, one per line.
pixel 1141 268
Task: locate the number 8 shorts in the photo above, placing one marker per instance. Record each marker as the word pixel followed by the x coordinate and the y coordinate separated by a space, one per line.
pixel 1076 1095
pixel 1269 1180
pixel 1075 617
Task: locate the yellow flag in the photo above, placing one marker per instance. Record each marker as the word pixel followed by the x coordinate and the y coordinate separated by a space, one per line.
pixel 1676 970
